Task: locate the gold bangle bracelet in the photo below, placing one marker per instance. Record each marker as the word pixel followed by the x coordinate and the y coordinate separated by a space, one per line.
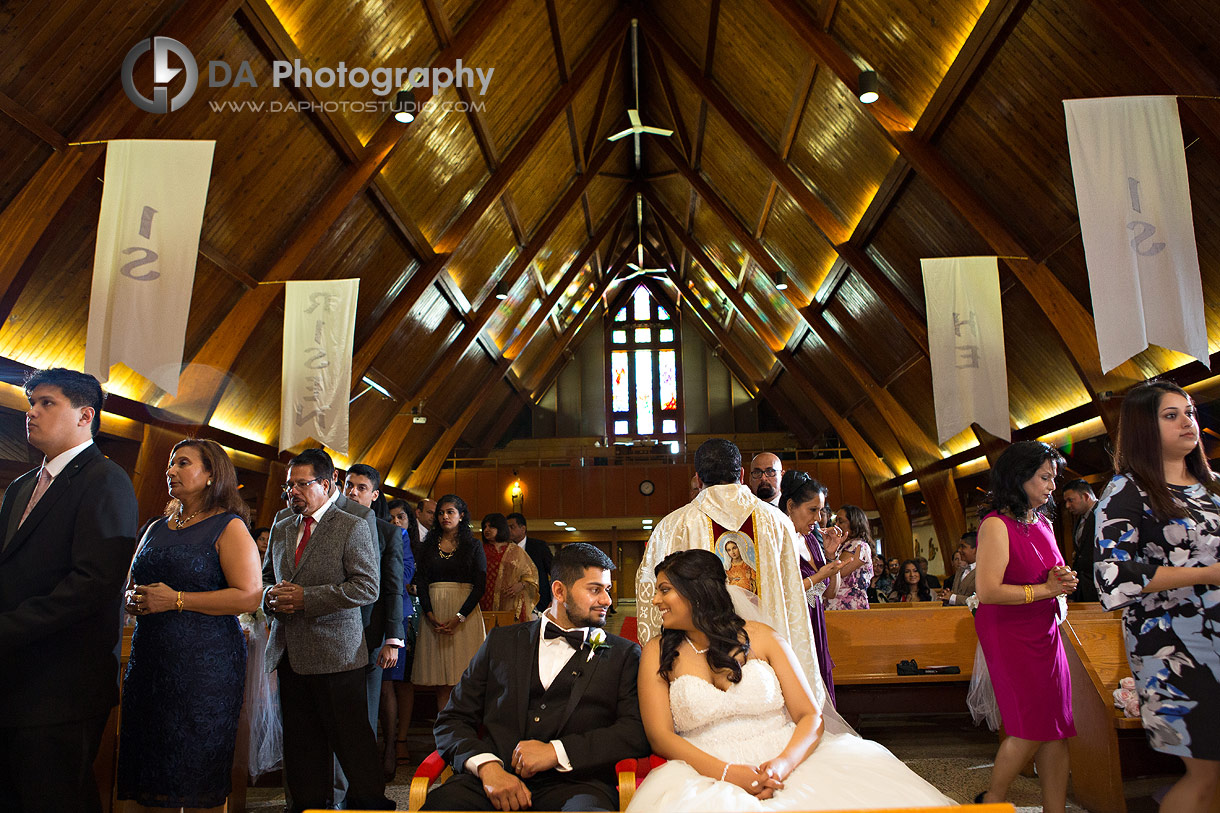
pixel 179 602
pixel 1029 593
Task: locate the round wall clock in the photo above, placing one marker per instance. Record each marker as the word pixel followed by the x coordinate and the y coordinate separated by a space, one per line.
pixel 646 488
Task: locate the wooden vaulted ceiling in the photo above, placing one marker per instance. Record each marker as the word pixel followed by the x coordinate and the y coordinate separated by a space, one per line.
pixel 774 167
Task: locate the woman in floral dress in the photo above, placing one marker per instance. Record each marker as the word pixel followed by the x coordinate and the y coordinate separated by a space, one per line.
pixel 857 557
pixel 1158 532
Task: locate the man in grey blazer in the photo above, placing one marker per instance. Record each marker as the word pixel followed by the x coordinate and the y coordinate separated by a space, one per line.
pixel 321 568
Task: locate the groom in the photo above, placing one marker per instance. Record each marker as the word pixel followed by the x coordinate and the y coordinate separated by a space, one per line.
pixel 557 698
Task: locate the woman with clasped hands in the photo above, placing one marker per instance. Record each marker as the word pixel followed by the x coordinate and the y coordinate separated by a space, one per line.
pixel 1021 579
pixel 1158 532
pixel 726 702
pixel 195 570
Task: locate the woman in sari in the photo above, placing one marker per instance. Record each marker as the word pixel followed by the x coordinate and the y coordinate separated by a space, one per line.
pixel 512 578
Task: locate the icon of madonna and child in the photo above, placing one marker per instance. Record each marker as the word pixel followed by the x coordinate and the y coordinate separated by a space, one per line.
pixel 740 559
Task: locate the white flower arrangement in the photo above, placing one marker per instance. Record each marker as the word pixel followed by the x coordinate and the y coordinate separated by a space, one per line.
pixel 597 640
pixel 973 603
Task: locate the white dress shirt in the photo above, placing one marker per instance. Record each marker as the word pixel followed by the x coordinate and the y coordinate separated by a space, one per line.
pixel 553 655
pixel 57 464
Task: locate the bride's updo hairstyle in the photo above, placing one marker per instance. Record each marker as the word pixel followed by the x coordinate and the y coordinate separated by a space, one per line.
pixel 699 577
pixel 797 487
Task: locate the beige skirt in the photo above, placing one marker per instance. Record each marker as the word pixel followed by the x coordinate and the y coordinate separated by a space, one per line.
pixel 440 660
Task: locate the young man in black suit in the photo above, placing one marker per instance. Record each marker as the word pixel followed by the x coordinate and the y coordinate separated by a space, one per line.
pixel 68 532
pixel 557 698
pixel 538 550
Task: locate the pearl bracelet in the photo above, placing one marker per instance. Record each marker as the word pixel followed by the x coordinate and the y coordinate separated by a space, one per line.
pixel 725 772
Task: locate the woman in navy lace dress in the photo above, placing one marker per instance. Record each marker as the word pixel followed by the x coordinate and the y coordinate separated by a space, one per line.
pixel 1158 536
pixel 196 568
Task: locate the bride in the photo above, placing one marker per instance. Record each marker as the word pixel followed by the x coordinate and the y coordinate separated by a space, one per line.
pixel 725 702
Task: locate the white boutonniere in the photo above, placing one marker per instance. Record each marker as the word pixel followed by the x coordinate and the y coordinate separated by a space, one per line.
pixel 973 603
pixel 597 640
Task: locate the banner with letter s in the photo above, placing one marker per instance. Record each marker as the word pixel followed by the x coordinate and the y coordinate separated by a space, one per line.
pixel 144 263
pixel 1132 192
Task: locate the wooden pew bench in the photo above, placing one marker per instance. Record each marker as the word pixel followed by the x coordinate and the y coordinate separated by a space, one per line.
pixel 1108 745
pixel 866 647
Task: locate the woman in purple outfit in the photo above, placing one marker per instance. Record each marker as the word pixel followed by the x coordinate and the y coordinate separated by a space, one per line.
pixel 801 498
pixel 1021 584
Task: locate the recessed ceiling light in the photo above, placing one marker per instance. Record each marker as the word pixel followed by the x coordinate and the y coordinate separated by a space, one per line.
pixel 561 523
pixel 569 528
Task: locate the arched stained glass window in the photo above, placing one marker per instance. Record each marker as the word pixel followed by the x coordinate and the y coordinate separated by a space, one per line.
pixel 645 370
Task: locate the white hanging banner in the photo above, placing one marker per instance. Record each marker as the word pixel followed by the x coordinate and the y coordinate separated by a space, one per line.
pixel 1129 165
pixel 319 333
pixel 966 345
pixel 144 263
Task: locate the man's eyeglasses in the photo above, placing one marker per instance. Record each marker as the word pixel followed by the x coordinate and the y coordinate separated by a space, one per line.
pixel 758 474
pixel 300 485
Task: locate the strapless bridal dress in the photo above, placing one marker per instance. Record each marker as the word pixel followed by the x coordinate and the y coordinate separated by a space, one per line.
pixel 749 724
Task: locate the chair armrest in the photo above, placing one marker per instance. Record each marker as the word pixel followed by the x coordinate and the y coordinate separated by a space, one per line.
pixel 427 773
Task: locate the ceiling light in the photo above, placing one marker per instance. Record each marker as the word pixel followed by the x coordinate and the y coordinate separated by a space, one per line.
pixel 781 280
pixel 404 107
pixel 501 290
pixel 869 86
pixel 561 523
pixel 569 528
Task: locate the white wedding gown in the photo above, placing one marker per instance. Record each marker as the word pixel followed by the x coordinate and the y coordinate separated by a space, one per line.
pixel 749 724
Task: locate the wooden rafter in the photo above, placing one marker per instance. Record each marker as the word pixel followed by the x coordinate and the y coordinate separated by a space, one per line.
pixel 1072 323
pixel 24 221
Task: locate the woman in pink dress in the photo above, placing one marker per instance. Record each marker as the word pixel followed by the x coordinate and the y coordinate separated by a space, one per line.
pixel 1021 584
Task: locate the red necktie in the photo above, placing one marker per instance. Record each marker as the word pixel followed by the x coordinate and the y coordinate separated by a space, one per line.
pixel 309 521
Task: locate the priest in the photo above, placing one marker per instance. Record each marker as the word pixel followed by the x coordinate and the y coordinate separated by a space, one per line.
pixel 746 533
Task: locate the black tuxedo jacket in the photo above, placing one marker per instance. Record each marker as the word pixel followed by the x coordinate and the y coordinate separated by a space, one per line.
pixel 540 552
pixel 384 619
pixel 601 723
pixel 61 585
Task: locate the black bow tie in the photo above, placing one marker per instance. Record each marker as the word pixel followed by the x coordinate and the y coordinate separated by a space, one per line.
pixel 574 637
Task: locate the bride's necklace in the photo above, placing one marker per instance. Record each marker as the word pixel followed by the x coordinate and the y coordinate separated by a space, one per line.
pixel 697 650
pixel 179 522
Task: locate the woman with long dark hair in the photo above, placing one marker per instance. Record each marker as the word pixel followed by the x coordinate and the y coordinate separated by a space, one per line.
pixel 450 576
pixel 726 702
pixel 802 498
pixel 856 553
pixel 196 569
pixel 1021 585
pixel 1158 532
pixel 911 584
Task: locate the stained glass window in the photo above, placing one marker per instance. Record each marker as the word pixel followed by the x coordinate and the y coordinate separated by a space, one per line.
pixel 643 392
pixel 668 368
pixel 620 390
pixel 643 342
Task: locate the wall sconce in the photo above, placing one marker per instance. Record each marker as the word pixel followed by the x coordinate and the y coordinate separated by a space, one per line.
pixel 516 493
pixel 869 86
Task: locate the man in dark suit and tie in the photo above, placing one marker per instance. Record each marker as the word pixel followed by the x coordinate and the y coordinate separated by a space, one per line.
pixel 557 700
pixel 69 531
pixel 538 550
pixel 1080 502
pixel 321 568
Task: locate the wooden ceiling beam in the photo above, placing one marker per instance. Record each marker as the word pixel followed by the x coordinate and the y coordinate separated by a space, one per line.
pixel 520 264
pixel 25 219
pixel 671 101
pixel 1071 322
pixel 489 193
pixel 720 334
pixel 696 251
pixel 910 318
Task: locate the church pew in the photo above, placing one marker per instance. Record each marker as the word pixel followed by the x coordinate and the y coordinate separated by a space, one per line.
pixel 866 648
pixel 1108 746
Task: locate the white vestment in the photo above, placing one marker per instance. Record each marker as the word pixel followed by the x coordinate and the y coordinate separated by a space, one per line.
pixel 774 558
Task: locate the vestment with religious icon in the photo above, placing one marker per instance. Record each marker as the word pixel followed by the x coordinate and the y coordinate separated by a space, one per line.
pixel 718 518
